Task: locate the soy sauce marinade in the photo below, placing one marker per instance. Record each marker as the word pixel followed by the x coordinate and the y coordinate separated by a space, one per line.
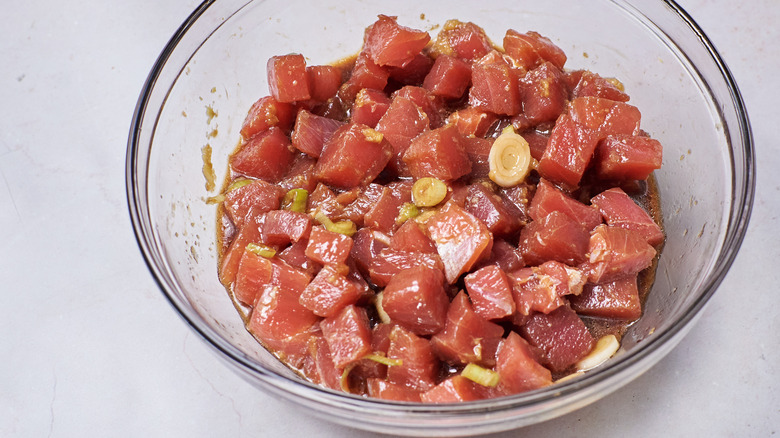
pixel 418 222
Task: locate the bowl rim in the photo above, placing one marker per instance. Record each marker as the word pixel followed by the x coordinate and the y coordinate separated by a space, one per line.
pixel 739 217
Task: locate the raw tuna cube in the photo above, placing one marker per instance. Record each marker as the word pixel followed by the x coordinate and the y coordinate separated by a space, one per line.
pixel 449 77
pixel 380 388
pixel 499 215
pixel 365 248
pixel 461 239
pixel 322 370
pixel 490 292
pixel 478 150
pixel 266 156
pixel 415 299
pixel 568 152
pixel 440 153
pixel 370 105
pixel 419 367
pixel 382 215
pixel 414 72
pixel 367 198
pixel 494 86
pixel 520 196
pixel 549 198
pixel 505 255
pixel 365 74
pixel 561 335
pixel 453 389
pixel 324 200
pixel 543 93
pixel 555 237
pixel 605 117
pixel 472 122
pixel 250 232
pixel 265 113
pixel 393 45
pixel 465 335
pixel 517 367
pixel 542 288
pixel 591 84
pixel 278 316
pixel 324 81
pixel 537 142
pixel 621 157
pixel 329 292
pixel 300 175
pixel 619 210
pixel 283 226
pixel 530 49
pixel 287 78
pixel 618 299
pixel 617 253
pixel 254 272
pixel 463 40
pixel 427 101
pixel 411 238
pixel 389 262
pixel 328 248
pixel 257 195
pixel 353 156
pixel 295 256
pixel 312 131
pixel 402 122
pixel 348 335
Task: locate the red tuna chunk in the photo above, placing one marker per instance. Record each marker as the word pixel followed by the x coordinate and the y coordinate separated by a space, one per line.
pixel 389 262
pixel 419 367
pixel 449 77
pixel 622 157
pixel 254 272
pixel 554 237
pixel 250 232
pixel 472 122
pixel 561 335
pixel 467 337
pixel 258 196
pixel 414 72
pixel 478 150
pixel 324 81
pixel 616 253
pixel 494 86
pixel 462 40
pixel 542 288
pixel 568 153
pixel 353 156
pixel 427 101
pixel 265 113
pixel 390 44
pixel 382 215
pixel 312 131
pixel 440 153
pixel 461 239
pixel 283 226
pixel 498 214
pixel 365 74
pixel 618 299
pixel 619 210
pixel 587 83
pixel 348 335
pixel 605 117
pixel 543 93
pixel 328 248
pixel 380 388
pixel 517 367
pixel 506 256
pixel 549 198
pixel 287 78
pixel 411 238
pixel 267 156
pixel 329 292
pixel 403 121
pixel 530 49
pixel 370 105
pixel 453 389
pixel 415 299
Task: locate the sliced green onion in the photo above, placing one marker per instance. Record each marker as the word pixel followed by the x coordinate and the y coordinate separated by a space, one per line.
pixel 408 211
pixel 344 381
pixel 237 184
pixel 384 360
pixel 346 227
pixel 482 376
pixel 428 192
pixel 261 250
pixel 295 200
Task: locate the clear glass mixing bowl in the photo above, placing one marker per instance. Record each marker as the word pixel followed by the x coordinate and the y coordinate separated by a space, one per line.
pixel 213 69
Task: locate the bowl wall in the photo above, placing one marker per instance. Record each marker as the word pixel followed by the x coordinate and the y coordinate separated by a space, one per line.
pixel 215 68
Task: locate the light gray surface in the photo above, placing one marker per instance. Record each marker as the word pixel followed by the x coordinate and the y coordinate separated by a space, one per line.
pixel 90 347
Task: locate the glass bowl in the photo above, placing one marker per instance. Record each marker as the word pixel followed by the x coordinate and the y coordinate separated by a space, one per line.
pixel 213 69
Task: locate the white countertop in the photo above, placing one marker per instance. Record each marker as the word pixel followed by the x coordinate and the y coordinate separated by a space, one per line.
pixel 90 347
